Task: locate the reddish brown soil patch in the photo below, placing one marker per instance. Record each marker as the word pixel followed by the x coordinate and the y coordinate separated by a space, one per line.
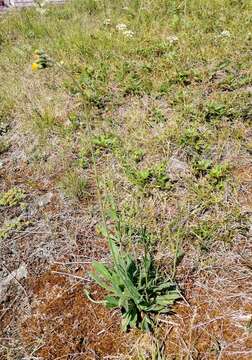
pixel 243 175
pixel 65 325
pixel 217 323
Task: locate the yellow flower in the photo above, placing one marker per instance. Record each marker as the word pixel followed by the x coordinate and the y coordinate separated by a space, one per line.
pixel 35 66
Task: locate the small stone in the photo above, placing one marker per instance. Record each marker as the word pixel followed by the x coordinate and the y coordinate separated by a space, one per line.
pixel 39 202
pixel 220 75
pixel 177 169
pixel 19 274
pixel 249 89
pixel 43 200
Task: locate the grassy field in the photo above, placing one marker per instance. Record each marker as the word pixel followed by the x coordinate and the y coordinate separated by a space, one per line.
pixel 137 115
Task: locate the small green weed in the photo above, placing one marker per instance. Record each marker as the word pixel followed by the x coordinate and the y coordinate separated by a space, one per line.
pixel 186 77
pixel 230 107
pixel 249 147
pixel 155 177
pixel 219 172
pixel 91 6
pixel 202 166
pixel 133 85
pixel 139 177
pixel 215 173
pixel 233 82
pixel 105 141
pixel 137 155
pixel 94 85
pixel 215 111
pixel 74 121
pixel 16 224
pixel 134 80
pixel 6 110
pixel 183 78
pixel 12 197
pixel 208 193
pixel 160 177
pixel 193 140
pixel 164 88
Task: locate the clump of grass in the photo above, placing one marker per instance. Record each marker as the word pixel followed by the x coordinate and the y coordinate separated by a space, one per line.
pixel 204 234
pixel 44 123
pixel 73 185
pixel 158 116
pixel 83 160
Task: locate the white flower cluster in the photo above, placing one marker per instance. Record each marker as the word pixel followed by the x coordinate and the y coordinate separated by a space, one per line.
pixel 107 22
pixel 124 30
pixel 225 33
pixel 121 27
pixel 172 39
pixel 128 33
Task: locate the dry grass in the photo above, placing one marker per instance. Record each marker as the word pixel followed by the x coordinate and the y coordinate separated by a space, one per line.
pixel 179 88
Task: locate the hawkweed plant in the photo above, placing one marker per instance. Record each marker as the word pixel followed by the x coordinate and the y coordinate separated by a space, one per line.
pixel 135 287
